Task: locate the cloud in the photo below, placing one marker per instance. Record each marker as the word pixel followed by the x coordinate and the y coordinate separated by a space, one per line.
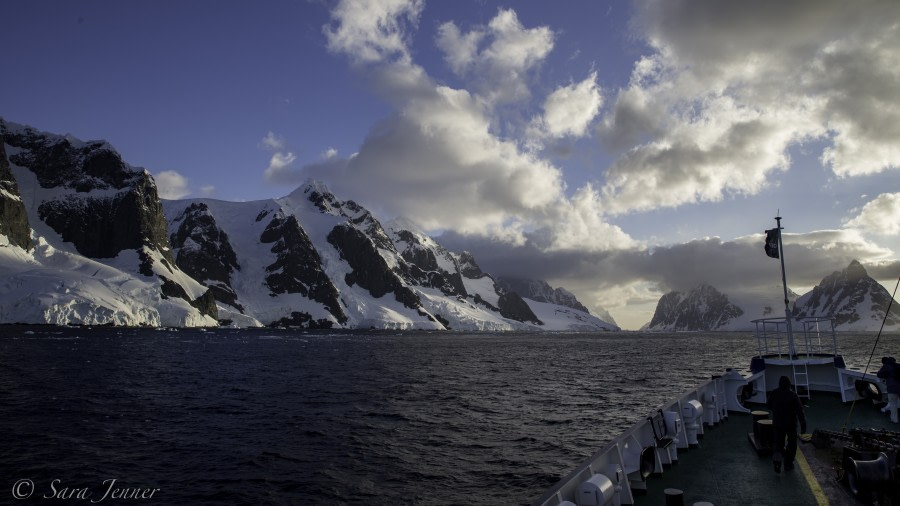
pixel 500 55
pixel 711 112
pixel 272 142
pixel 171 185
pixel 729 88
pixel 570 109
pixel 371 31
pixel 880 216
pixel 437 156
pixel 280 169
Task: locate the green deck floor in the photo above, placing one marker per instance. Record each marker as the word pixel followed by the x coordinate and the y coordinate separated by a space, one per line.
pixel 726 470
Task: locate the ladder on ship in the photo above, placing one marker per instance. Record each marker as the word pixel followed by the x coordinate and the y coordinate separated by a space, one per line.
pixel 801 378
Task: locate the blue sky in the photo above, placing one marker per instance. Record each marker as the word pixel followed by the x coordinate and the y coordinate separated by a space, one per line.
pixel 618 149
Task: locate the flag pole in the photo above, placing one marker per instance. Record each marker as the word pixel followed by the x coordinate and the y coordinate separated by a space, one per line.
pixel 787 307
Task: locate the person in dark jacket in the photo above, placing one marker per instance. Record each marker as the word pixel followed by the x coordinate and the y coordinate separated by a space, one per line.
pixel 786 411
pixel 889 373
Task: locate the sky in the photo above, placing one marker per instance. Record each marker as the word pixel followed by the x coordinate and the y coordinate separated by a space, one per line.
pixel 619 149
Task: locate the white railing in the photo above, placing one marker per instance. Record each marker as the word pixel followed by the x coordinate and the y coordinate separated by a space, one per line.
pixel 619 470
pixel 811 336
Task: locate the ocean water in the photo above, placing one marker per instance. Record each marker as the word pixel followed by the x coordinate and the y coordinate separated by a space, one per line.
pixel 286 417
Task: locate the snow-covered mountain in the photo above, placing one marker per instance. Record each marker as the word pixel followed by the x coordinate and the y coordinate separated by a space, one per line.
pixel 84 239
pixel 91 246
pixel 310 259
pixel 701 308
pixel 856 301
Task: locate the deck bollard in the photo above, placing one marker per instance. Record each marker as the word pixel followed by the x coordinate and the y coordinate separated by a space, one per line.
pixel 757 416
pixel 766 434
pixel 674 497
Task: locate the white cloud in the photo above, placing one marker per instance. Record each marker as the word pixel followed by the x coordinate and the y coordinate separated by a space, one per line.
pixel 171 185
pixel 280 169
pixel 437 158
pixel 497 57
pixel 272 142
pixel 731 87
pixel 685 130
pixel 208 190
pixel 372 31
pixel 570 109
pixel 880 216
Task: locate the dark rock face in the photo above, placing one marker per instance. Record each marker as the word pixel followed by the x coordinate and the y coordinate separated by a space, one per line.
pixel 424 268
pixel 468 267
pixel 99 227
pixel 666 309
pixel 513 307
pixel 846 294
pixel 13 218
pixel 703 308
pixel 298 267
pixel 304 320
pixel 540 291
pixel 208 257
pixel 58 162
pixel 370 270
pixel 102 227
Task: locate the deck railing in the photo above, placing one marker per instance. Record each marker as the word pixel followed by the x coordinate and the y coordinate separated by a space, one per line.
pixel 812 336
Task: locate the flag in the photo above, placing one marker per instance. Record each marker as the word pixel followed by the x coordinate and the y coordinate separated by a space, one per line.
pixel 772 242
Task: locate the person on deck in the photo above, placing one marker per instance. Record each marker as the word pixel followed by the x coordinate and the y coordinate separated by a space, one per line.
pixel 890 373
pixel 786 411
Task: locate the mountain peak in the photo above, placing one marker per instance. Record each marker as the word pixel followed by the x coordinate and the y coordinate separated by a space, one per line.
pixel 852 298
pixel 855 271
pixel 701 308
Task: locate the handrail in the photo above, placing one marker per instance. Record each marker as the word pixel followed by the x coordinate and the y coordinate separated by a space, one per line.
pixel 772 336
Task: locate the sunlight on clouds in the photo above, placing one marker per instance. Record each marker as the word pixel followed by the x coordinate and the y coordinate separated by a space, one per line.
pixel 880 216
pixel 580 225
pixel 731 87
pixel 570 109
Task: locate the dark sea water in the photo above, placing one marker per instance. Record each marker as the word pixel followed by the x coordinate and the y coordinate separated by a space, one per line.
pixel 285 417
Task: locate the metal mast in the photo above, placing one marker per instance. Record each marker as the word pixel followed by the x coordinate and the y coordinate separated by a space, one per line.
pixel 787 306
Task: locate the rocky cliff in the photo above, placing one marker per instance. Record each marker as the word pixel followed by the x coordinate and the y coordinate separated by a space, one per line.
pixel 82 198
pixel 13 218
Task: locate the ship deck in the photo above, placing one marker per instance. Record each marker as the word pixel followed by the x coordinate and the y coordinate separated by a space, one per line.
pixel 726 469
